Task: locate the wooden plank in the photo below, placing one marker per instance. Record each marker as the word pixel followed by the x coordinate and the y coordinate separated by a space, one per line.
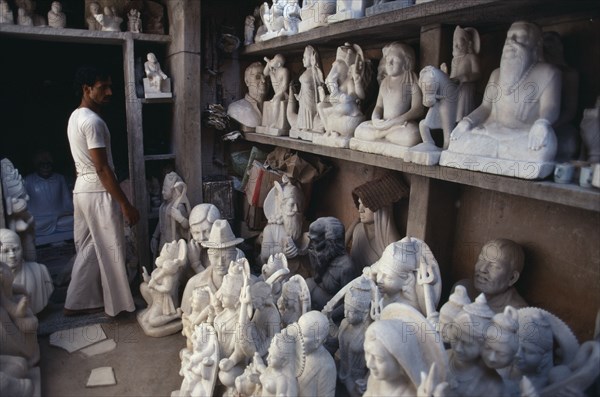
pixel 156 157
pixel 148 101
pixel 570 195
pixel 78 35
pixel 418 206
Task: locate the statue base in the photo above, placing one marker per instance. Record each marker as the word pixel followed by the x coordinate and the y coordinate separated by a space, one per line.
pixel 345 15
pixel 273 131
pixel 496 166
pixel 164 91
pixel 157 332
pixel 379 147
pixel 330 140
pixel 316 15
pixel 389 6
pixel 266 36
pixel 423 154
pixel 303 134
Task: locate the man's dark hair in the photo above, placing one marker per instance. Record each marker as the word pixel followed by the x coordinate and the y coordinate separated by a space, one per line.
pixel 88 75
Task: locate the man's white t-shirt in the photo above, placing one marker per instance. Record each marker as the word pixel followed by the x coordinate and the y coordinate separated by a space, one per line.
pixel 86 130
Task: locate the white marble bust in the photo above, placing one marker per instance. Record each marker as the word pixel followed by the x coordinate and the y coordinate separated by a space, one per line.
pixel 248 110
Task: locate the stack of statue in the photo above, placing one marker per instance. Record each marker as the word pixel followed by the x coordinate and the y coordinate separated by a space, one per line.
pixel 248 110
pixel 156 83
pixel 307 119
pixel 380 6
pixel 281 19
pixel 26 15
pixel 332 267
pixel 497 269
pixel 393 127
pixel 93 10
pixel 18 219
pixel 6 14
pixel 468 374
pixel 274 120
pixel 134 21
pixel 221 252
pixel 511 132
pixel 109 21
pixel 56 17
pixel 566 132
pixel 314 13
pixel 348 9
pixel 395 368
pixel 32 276
pixel 347 82
pixel 590 132
pixel 249 30
pixel 294 300
pixel 161 292
pixel 50 199
pixel 376 228
pixel 283 233
pixel 173 215
pixel 408 273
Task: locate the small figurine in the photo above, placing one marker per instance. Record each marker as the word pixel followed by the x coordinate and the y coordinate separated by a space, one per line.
pixel 249 30
pixel 393 126
pixel 156 83
pixel 502 340
pixel 6 14
pixel 347 82
pixel 307 119
pixel 294 300
pixel 279 377
pixel 465 69
pixel 274 121
pixel 291 19
pixel 281 19
pixel 23 18
pixel 56 17
pixel 173 221
pixel 134 21
pixel 513 129
pixel 348 9
pixel 94 9
pixel 199 366
pixel 201 219
pixel 248 110
pixel 314 13
pixel 275 272
pixel 450 310
pixel 109 21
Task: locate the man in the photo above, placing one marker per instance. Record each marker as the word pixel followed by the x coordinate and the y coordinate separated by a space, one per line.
pixel 283 233
pixel 248 110
pixel 99 279
pixel 332 266
pixel 498 268
pixel 514 122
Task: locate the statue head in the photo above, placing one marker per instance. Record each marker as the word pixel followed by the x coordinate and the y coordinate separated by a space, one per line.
pixel 346 53
pixel 11 252
pixel 502 339
pixel 498 267
pixel 221 246
pixel 275 263
pixel 396 268
pixel 94 8
pixel 310 57
pixel 313 329
pixel 261 295
pixel 256 82
pixel 326 242
pixel 451 309
pixel 201 220
pixel 465 41
pixel 56 6
pixel 398 58
pixel 365 214
pixel 294 295
pixel 231 288
pixel 282 352
pixel 169 190
pixel 357 301
pixel 536 342
pixel 468 337
pixel 43 162
pixel 522 48
pixel 151 57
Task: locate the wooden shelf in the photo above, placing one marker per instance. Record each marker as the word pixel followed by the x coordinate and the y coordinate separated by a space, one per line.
pixel 45 33
pixel 407 23
pixel 570 195
pixel 157 157
pixel 157 100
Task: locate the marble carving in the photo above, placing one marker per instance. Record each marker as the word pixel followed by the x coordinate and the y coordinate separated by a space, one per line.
pixel 156 83
pixel 134 21
pixel 511 132
pixel 56 18
pixel 281 19
pixel 380 6
pixel 274 120
pixel 6 13
pixel 348 9
pixel 248 110
pixel 109 20
pixel 314 13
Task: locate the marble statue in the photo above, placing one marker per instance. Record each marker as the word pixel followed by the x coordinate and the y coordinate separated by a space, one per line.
pixel 18 217
pixel 109 20
pixel 497 269
pixel 465 69
pixel 380 6
pixel 291 18
pixel 376 228
pixel 221 252
pixel 248 110
pixel 199 365
pixel 468 375
pixel 33 276
pixel 278 378
pixel 566 132
pixel 28 16
pixel 511 132
pixel 502 340
pixel 6 13
pixel 195 317
pixel 156 83
pixel 173 213
pixel 161 292
pixel 332 267
pixel 393 127
pixel 134 21
pixel 56 17
pixel 294 300
pixel 348 9
pixel 347 81
pixel 408 273
pixel 275 272
pixel 249 30
pixel 440 96
pixel 450 310
pixel 201 219
pixel 306 119
pixel 266 320
pixel 92 23
pixel 283 233
pixel 314 13
pixel 281 19
pixel 353 369
pixel 395 368
pixel 590 132
pixel 274 120
pixel 17 379
pixel 18 325
pixel 50 201
pixel 23 18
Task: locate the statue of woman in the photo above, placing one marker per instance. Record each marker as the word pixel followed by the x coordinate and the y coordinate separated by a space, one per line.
pixel 465 68
pixel 279 377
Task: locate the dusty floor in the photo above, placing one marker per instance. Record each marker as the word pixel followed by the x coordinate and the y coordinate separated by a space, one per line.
pixel 143 366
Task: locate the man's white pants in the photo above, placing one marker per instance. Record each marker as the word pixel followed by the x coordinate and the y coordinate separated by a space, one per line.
pixel 99 277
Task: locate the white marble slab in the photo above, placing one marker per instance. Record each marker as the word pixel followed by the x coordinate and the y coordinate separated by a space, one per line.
pixel 74 339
